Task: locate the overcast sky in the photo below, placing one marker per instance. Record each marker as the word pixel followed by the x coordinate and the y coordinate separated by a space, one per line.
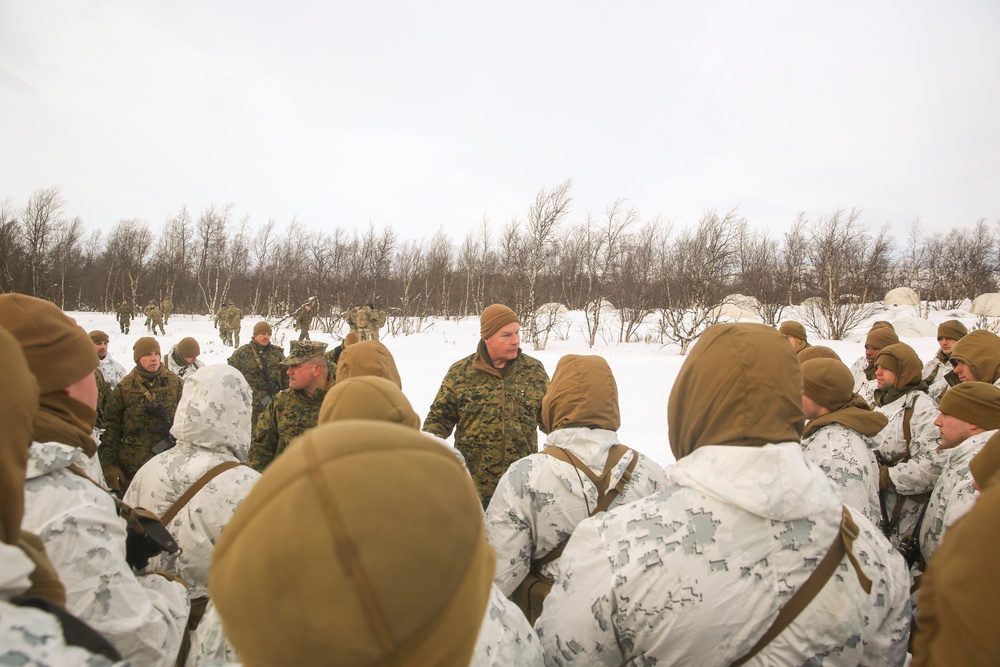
pixel 429 114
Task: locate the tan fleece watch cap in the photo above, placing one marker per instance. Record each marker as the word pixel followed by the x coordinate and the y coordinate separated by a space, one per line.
pixel 829 382
pixel 494 318
pixel 362 544
pixel 952 329
pixel 369 357
pixel 881 337
pixel 368 397
pixel 793 329
pixel 18 405
pixel 977 403
pixel 818 352
pixel 143 346
pixel 261 327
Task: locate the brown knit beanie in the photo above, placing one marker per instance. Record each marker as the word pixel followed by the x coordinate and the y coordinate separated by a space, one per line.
pixel 188 348
pixel 818 352
pixel 986 464
pixel 368 397
pixel 351 339
pixel 58 350
pixel 494 318
pixel 952 329
pixel 362 544
pixel 18 405
pixel 793 329
pixel 881 337
pixel 977 403
pixel 882 324
pixel 262 327
pixel 98 336
pixel 368 357
pixel 143 346
pixel 828 382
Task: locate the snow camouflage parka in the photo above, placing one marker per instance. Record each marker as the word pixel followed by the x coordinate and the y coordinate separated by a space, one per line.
pixel 848 459
pixel 133 424
pixel 289 415
pixel 212 426
pixel 696 573
pixel 176 364
pixel 495 415
pixel 142 616
pixel 113 371
pixel 244 360
pixel 953 493
pixel 863 385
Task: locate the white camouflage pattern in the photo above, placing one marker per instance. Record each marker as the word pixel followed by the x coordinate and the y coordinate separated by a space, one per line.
pixel 142 616
pixel 112 370
pixel 539 500
pixel 183 371
pixel 212 426
pixel 695 574
pixel 847 458
pixel 863 387
pixel 917 474
pixel 936 385
pixel 953 494
pixel 31 636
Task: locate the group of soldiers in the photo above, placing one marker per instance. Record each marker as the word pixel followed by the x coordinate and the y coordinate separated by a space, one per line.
pixel 156 315
pixel 586 552
pixel 366 320
pixel 228 320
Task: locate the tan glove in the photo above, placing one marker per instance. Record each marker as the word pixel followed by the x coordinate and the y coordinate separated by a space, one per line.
pixel 115 478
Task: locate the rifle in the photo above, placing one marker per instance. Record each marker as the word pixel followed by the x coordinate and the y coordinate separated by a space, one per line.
pixel 157 409
pixel 311 301
pixel 272 387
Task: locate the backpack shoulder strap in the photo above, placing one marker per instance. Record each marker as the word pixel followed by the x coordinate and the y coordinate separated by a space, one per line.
pixel 169 515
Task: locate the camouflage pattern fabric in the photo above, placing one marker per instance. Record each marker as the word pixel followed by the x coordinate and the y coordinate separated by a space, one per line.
pixel 112 370
pixel 212 426
pixel 263 390
pixel 167 306
pixel 351 316
pixel 375 321
pixel 495 418
pixel 303 320
pixel 103 397
pixel 863 385
pixel 124 314
pixel 176 363
pixel 222 324
pixel 918 473
pixel 539 500
pixel 695 574
pixel 288 416
pixel 133 426
pixel 848 460
pixel 154 319
pixel 234 321
pixel 953 494
pixel 142 616
pixel 506 637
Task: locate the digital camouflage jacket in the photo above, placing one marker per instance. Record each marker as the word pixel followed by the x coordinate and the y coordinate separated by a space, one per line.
pixel 264 384
pixel 285 418
pixel 495 416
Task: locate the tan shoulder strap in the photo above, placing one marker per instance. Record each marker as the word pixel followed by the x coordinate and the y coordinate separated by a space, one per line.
pixel 169 515
pixel 843 544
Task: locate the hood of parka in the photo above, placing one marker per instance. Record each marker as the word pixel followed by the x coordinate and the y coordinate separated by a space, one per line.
pixel 583 392
pixel 368 357
pixel 861 419
pixel 18 405
pixel 741 385
pixel 908 368
pixel 214 411
pixel 985 466
pixel 368 397
pixel 981 351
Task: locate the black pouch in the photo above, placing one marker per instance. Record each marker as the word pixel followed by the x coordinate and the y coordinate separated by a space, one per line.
pixel 147 536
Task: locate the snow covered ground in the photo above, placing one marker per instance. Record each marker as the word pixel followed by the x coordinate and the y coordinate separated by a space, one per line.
pixel 645 371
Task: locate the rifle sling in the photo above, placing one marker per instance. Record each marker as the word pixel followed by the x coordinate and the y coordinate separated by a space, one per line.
pixel 169 515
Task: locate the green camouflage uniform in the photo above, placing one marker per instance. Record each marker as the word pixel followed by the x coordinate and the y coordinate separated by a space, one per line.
pixel 124 317
pixel 376 318
pixel 103 397
pixel 222 323
pixel 264 390
pixel 289 415
pixel 154 318
pixel 303 319
pixel 167 306
pixel 234 318
pixel 363 320
pixel 133 426
pixel 494 412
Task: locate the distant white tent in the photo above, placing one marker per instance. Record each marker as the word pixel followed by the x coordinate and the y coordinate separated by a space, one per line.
pixel 914 327
pixel 987 305
pixel 606 306
pixel 552 309
pixel 901 296
pixel 738 307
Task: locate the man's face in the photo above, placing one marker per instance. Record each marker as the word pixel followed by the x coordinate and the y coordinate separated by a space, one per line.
pixel 953 430
pixel 945 344
pixel 503 345
pixel 102 349
pixel 190 360
pixel 150 362
pixel 303 376
pixel 262 339
pixel 871 353
pixel 885 378
pixel 964 372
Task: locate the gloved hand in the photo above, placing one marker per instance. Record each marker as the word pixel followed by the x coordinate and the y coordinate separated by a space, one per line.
pixel 884 481
pixel 115 478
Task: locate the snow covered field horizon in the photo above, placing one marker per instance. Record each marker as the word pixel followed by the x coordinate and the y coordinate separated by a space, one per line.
pixel 645 372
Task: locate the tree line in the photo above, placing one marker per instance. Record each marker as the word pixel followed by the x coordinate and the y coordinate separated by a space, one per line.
pixel 617 266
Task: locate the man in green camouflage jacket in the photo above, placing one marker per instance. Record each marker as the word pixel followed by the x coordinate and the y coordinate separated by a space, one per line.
pixel 493 401
pixel 139 416
pixel 124 316
pixel 293 410
pixel 260 362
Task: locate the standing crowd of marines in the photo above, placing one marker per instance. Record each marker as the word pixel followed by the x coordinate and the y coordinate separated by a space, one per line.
pixel 813 515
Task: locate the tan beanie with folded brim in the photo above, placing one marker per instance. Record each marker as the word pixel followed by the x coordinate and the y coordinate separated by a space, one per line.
pixel 188 348
pixel 495 318
pixel 369 357
pixel 952 329
pixel 98 337
pixel 58 350
pixel 828 382
pixel 262 327
pixel 818 352
pixel 977 403
pixel 143 346
pixel 881 337
pixel 362 544
pixel 18 405
pixel 368 397
pixel 793 329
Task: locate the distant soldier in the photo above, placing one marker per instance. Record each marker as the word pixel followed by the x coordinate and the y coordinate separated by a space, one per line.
pixel 260 362
pixel 303 318
pixel 148 312
pixel 293 410
pixel 167 307
pixel 363 319
pixel 879 336
pixel 113 371
pixel 235 323
pixel 124 316
pixel 376 320
pixel 352 318
pixel 222 324
pixel 140 414
pixel 154 318
pixel 795 333
pixel 936 371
